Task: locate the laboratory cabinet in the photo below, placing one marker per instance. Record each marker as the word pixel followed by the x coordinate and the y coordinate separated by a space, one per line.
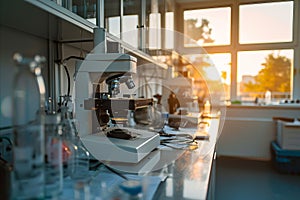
pixel 254 129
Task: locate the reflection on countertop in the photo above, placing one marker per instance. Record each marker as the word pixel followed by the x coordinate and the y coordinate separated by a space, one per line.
pixel 189 172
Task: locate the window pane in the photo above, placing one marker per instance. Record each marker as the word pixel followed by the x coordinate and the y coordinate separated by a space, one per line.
pixel 169 33
pixel 259 71
pixel 207 26
pixel 154 31
pixel 222 62
pixel 113 25
pixel 211 68
pixel 85 9
pixel 266 22
pixel 129 30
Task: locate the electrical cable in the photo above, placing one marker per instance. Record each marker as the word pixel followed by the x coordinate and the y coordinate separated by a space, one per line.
pixel 173 140
pixel 69 81
pixel 62 62
pixel 188 144
pixel 94 164
pixel 72 57
pixel 115 172
pixel 5 127
pixel 6 138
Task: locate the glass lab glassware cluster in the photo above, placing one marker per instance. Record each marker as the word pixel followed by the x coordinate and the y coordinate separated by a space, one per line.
pixel 28 129
pixel 46 147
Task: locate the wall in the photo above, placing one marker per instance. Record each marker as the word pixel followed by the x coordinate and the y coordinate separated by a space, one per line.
pixel 30 30
pixel 17 35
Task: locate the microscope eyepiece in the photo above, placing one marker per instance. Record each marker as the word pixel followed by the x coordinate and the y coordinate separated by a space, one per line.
pixel 130 83
pixel 115 81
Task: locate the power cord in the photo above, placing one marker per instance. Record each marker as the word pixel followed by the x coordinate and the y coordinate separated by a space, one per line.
pixel 95 164
pixel 62 62
pixel 178 141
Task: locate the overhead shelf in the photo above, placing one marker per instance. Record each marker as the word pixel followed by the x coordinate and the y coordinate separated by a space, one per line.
pixel 72 18
pixel 63 13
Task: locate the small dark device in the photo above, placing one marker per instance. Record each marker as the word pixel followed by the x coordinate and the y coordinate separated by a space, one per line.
pixel 119 133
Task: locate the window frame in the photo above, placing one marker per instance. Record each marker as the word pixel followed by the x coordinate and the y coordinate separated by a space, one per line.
pixel 234 47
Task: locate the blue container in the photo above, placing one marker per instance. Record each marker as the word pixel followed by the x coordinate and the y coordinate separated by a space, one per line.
pixel 285 161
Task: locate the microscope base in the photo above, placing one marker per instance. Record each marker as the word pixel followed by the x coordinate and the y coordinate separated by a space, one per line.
pixel 145 166
pixel 121 150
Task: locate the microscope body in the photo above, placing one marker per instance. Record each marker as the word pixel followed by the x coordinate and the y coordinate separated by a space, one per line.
pixel 96 109
pixel 91 72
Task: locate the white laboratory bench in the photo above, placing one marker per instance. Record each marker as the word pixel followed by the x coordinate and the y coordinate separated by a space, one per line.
pixel 179 174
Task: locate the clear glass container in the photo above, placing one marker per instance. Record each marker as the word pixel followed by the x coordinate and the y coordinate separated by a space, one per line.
pixel 53 156
pixel 28 128
pixel 75 156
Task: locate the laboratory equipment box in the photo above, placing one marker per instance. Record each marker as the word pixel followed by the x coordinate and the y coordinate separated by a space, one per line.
pixel 288 135
pixel 285 161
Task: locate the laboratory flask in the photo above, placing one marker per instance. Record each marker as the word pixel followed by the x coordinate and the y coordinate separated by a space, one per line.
pixel 28 129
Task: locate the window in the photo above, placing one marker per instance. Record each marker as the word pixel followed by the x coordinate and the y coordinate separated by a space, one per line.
pixel 252 44
pixel 222 62
pixel 129 30
pixel 210 68
pixel 169 33
pixel 259 71
pixel 113 25
pixel 266 22
pixel 207 26
pixel 123 22
pixel 154 31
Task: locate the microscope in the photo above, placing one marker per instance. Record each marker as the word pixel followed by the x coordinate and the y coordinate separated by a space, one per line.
pixel 99 111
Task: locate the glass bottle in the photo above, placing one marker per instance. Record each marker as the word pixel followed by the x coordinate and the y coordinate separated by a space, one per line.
pixel 28 129
pixel 76 157
pixel 268 97
pixel 207 108
pixel 53 156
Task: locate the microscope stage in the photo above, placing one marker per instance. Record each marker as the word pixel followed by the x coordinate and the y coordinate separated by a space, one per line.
pixel 122 150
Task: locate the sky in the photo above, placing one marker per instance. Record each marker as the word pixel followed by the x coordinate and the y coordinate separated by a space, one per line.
pixel 266 22
pixel 219 21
